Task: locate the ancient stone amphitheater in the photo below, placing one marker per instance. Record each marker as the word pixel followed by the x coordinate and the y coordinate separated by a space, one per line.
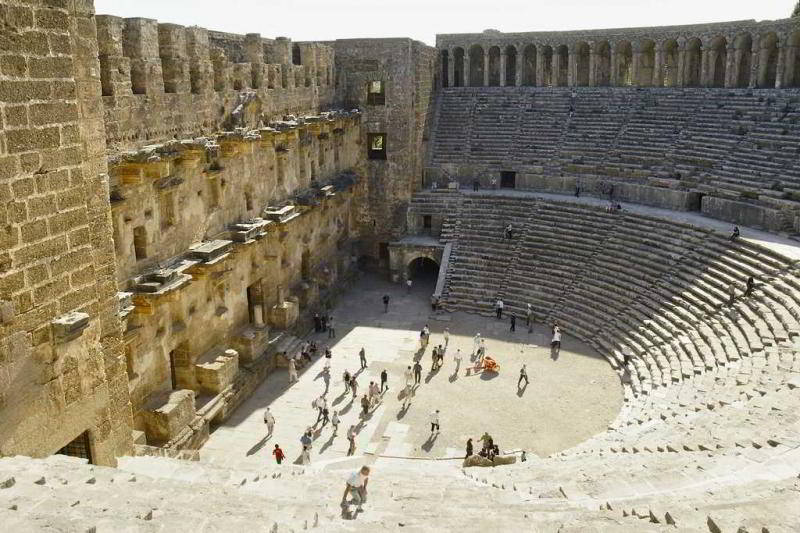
pixel 176 203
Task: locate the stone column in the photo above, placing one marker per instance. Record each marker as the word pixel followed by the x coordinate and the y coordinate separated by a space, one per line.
pixel 451 68
pixel 781 67
pixel 540 81
pixel 115 69
pixel 503 60
pixel 466 68
pixel 789 74
pixel 556 67
pixel 572 66
pixel 755 56
pixel 140 44
pixel 705 80
pixel 174 63
pixel 486 67
pixel 254 54
pixel 681 78
pixel 614 77
pixel 636 58
pixel 658 67
pixel 592 65
pixel 201 69
pixel 518 70
pixel 730 66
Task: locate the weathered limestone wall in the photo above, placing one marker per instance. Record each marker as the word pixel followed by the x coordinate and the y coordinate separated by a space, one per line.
pixel 727 54
pixel 406 69
pixel 61 374
pixel 162 81
pixel 185 193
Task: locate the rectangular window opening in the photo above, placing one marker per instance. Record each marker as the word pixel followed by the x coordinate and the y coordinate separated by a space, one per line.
pixel 376 93
pixel 139 243
pixel 377 146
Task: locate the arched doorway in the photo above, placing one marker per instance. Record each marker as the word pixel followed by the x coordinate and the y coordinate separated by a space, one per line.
pixel 476 66
pixel 719 61
pixel 511 66
pixel 624 64
pixel 423 270
pixel 458 67
pixel 602 75
pixel 692 63
pixel 529 66
pixel 768 64
pixel 494 66
pixel 582 74
pixel 743 50
pixel 669 74
pixel 445 65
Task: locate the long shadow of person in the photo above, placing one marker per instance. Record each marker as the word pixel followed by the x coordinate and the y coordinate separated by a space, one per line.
pixel 554 352
pixel 260 444
pixel 327 443
pixel 428 444
pixel 521 390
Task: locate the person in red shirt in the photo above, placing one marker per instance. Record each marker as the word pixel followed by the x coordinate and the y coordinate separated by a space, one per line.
pixel 278 453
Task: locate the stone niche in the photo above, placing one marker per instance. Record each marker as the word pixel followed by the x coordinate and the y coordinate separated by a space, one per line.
pixel 167 414
pixel 284 315
pixel 216 369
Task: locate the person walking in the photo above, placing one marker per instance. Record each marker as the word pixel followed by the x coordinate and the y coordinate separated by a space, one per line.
pixel 292 371
pixel 440 355
pixel 278 453
pixel 408 374
pixel 351 438
pixel 362 355
pixel 417 372
pixel 735 234
pixel 498 308
pixel 331 328
pixel 335 422
pixel 528 315
pixel 306 440
pixel 457 360
pixel 751 283
pixel 384 380
pixel 469 448
pixel 408 391
pixel 476 343
pixel 322 405
pixel 513 322
pixel 555 344
pixel 435 359
pixel 731 294
pixel 346 379
pixel 325 418
pixel 446 335
pixel 409 283
pixel 364 406
pixel 269 420
pixel 328 357
pixel 435 421
pixel 357 487
pixel 354 386
pixel 385 303
pixel 523 374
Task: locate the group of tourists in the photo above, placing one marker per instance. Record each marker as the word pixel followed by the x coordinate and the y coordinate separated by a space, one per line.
pixel 323 323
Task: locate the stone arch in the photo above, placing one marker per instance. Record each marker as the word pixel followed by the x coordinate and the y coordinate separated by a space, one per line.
pixel 562 76
pixel 494 66
pixel 547 67
pixel 692 63
pixel 511 66
pixel 458 67
pixel 647 63
pixel 422 266
pixel 768 61
pixel 624 64
pixel 529 66
pixel 669 65
pixel 718 61
pixel 476 66
pixel 793 60
pixel 743 54
pixel 445 62
pixel 582 64
pixel 602 68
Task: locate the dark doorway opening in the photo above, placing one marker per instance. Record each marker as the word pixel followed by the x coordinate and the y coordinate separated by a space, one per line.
pixel 255 300
pixel 427 222
pixel 508 179
pixel 696 201
pixel 423 270
pixel 80 447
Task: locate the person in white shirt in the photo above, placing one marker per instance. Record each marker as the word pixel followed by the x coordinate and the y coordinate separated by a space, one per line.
pixel 528 315
pixel 409 375
pixel 357 487
pixel 335 422
pixel 269 420
pixel 409 283
pixel 457 360
pixel 446 334
pixel 498 308
pixel 435 421
pixel 476 343
pixel 555 344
